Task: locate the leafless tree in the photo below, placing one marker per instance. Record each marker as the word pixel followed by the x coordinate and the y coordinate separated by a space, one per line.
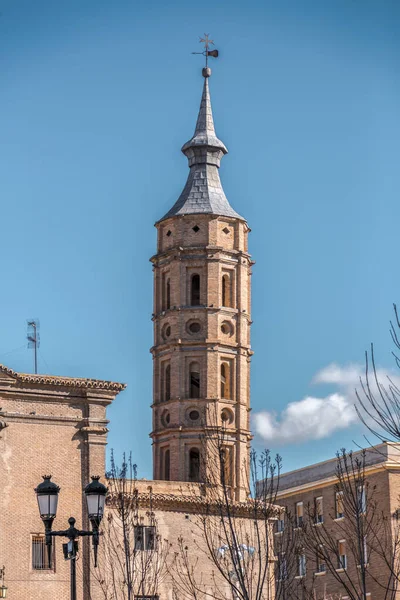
pixel 132 553
pixel 357 534
pixel 235 538
pixel 379 401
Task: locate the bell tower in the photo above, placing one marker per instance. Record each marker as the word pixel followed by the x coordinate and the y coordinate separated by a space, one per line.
pixel 201 352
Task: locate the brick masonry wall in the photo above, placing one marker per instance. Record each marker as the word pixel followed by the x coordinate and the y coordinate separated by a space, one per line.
pixel 386 492
pixel 211 247
pixel 176 516
pixel 50 430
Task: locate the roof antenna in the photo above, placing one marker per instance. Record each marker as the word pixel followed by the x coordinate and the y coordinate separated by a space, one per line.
pixel 33 337
pixel 206 52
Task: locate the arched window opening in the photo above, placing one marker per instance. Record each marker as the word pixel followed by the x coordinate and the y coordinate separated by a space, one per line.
pixel 168 294
pixel 163 298
pixel 167 395
pixel 195 290
pixel 166 466
pixel 225 381
pixel 194 381
pixel 225 458
pixel 226 291
pixel 194 465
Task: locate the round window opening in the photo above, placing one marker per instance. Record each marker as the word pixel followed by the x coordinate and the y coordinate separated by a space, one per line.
pixel 194 415
pixel 165 418
pixel 194 327
pixel 226 416
pixel 226 328
pixel 166 332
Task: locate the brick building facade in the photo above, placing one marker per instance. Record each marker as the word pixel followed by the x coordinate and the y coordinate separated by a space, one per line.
pixel 313 494
pixel 49 425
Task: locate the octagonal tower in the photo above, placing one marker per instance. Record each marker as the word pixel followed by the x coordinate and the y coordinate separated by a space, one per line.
pixel 201 352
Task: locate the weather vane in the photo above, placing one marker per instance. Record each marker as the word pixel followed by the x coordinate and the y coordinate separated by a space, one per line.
pixel 206 52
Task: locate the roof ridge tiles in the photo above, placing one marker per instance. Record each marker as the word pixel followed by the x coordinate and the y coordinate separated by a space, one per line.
pixel 75 382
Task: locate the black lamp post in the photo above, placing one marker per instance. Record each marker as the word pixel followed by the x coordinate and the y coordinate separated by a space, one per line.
pixel 47 497
pixel 3 588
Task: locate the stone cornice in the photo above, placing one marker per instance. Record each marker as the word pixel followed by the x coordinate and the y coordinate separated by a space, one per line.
pixel 233 313
pixel 207 216
pixel 209 346
pixel 332 480
pixel 34 394
pixel 199 252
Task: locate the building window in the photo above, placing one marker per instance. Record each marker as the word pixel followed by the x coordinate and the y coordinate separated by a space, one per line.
pixel 225 456
pixel 319 510
pixel 194 381
pixel 194 464
pixel 280 524
pixel 226 380
pixel 168 294
pixel 339 505
pixel 361 499
pixel 145 537
pixel 226 291
pixel 320 559
pixel 282 567
pixel 301 564
pixel 165 381
pixel 195 290
pixel 299 514
pixel 165 291
pixel 342 557
pixel 40 559
pixel 165 464
pixel 365 551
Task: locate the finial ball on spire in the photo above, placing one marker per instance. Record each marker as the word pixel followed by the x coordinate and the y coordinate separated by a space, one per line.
pixel 206 72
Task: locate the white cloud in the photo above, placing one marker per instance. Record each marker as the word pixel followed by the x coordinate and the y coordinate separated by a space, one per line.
pixel 344 377
pixel 314 418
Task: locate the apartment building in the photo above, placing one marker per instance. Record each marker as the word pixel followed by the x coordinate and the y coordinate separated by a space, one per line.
pixel 313 497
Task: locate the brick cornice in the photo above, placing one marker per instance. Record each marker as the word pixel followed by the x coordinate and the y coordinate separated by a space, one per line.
pixel 198 252
pixel 67 382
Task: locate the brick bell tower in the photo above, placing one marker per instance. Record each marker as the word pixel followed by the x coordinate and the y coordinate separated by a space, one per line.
pixel 201 352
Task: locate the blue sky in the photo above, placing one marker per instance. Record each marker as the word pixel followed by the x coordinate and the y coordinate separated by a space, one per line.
pixel 97 99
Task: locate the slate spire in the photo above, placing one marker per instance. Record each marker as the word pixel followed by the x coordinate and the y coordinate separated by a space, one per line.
pixel 203 192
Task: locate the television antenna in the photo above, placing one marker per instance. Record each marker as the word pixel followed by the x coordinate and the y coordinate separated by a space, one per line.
pixel 33 337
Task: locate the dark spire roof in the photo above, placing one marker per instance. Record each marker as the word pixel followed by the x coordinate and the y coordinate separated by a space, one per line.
pixel 203 191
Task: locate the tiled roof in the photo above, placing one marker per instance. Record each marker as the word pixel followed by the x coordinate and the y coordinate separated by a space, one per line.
pixel 73 382
pixel 200 504
pixel 203 192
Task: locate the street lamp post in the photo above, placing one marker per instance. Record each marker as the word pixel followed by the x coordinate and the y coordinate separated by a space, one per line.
pixel 237 555
pixel 47 496
pixel 3 588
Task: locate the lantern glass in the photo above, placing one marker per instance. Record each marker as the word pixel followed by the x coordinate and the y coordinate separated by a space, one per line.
pixel 47 505
pixel 95 497
pixel 3 591
pixel 95 504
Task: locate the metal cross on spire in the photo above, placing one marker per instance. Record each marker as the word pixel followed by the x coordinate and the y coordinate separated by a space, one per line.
pixel 206 52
